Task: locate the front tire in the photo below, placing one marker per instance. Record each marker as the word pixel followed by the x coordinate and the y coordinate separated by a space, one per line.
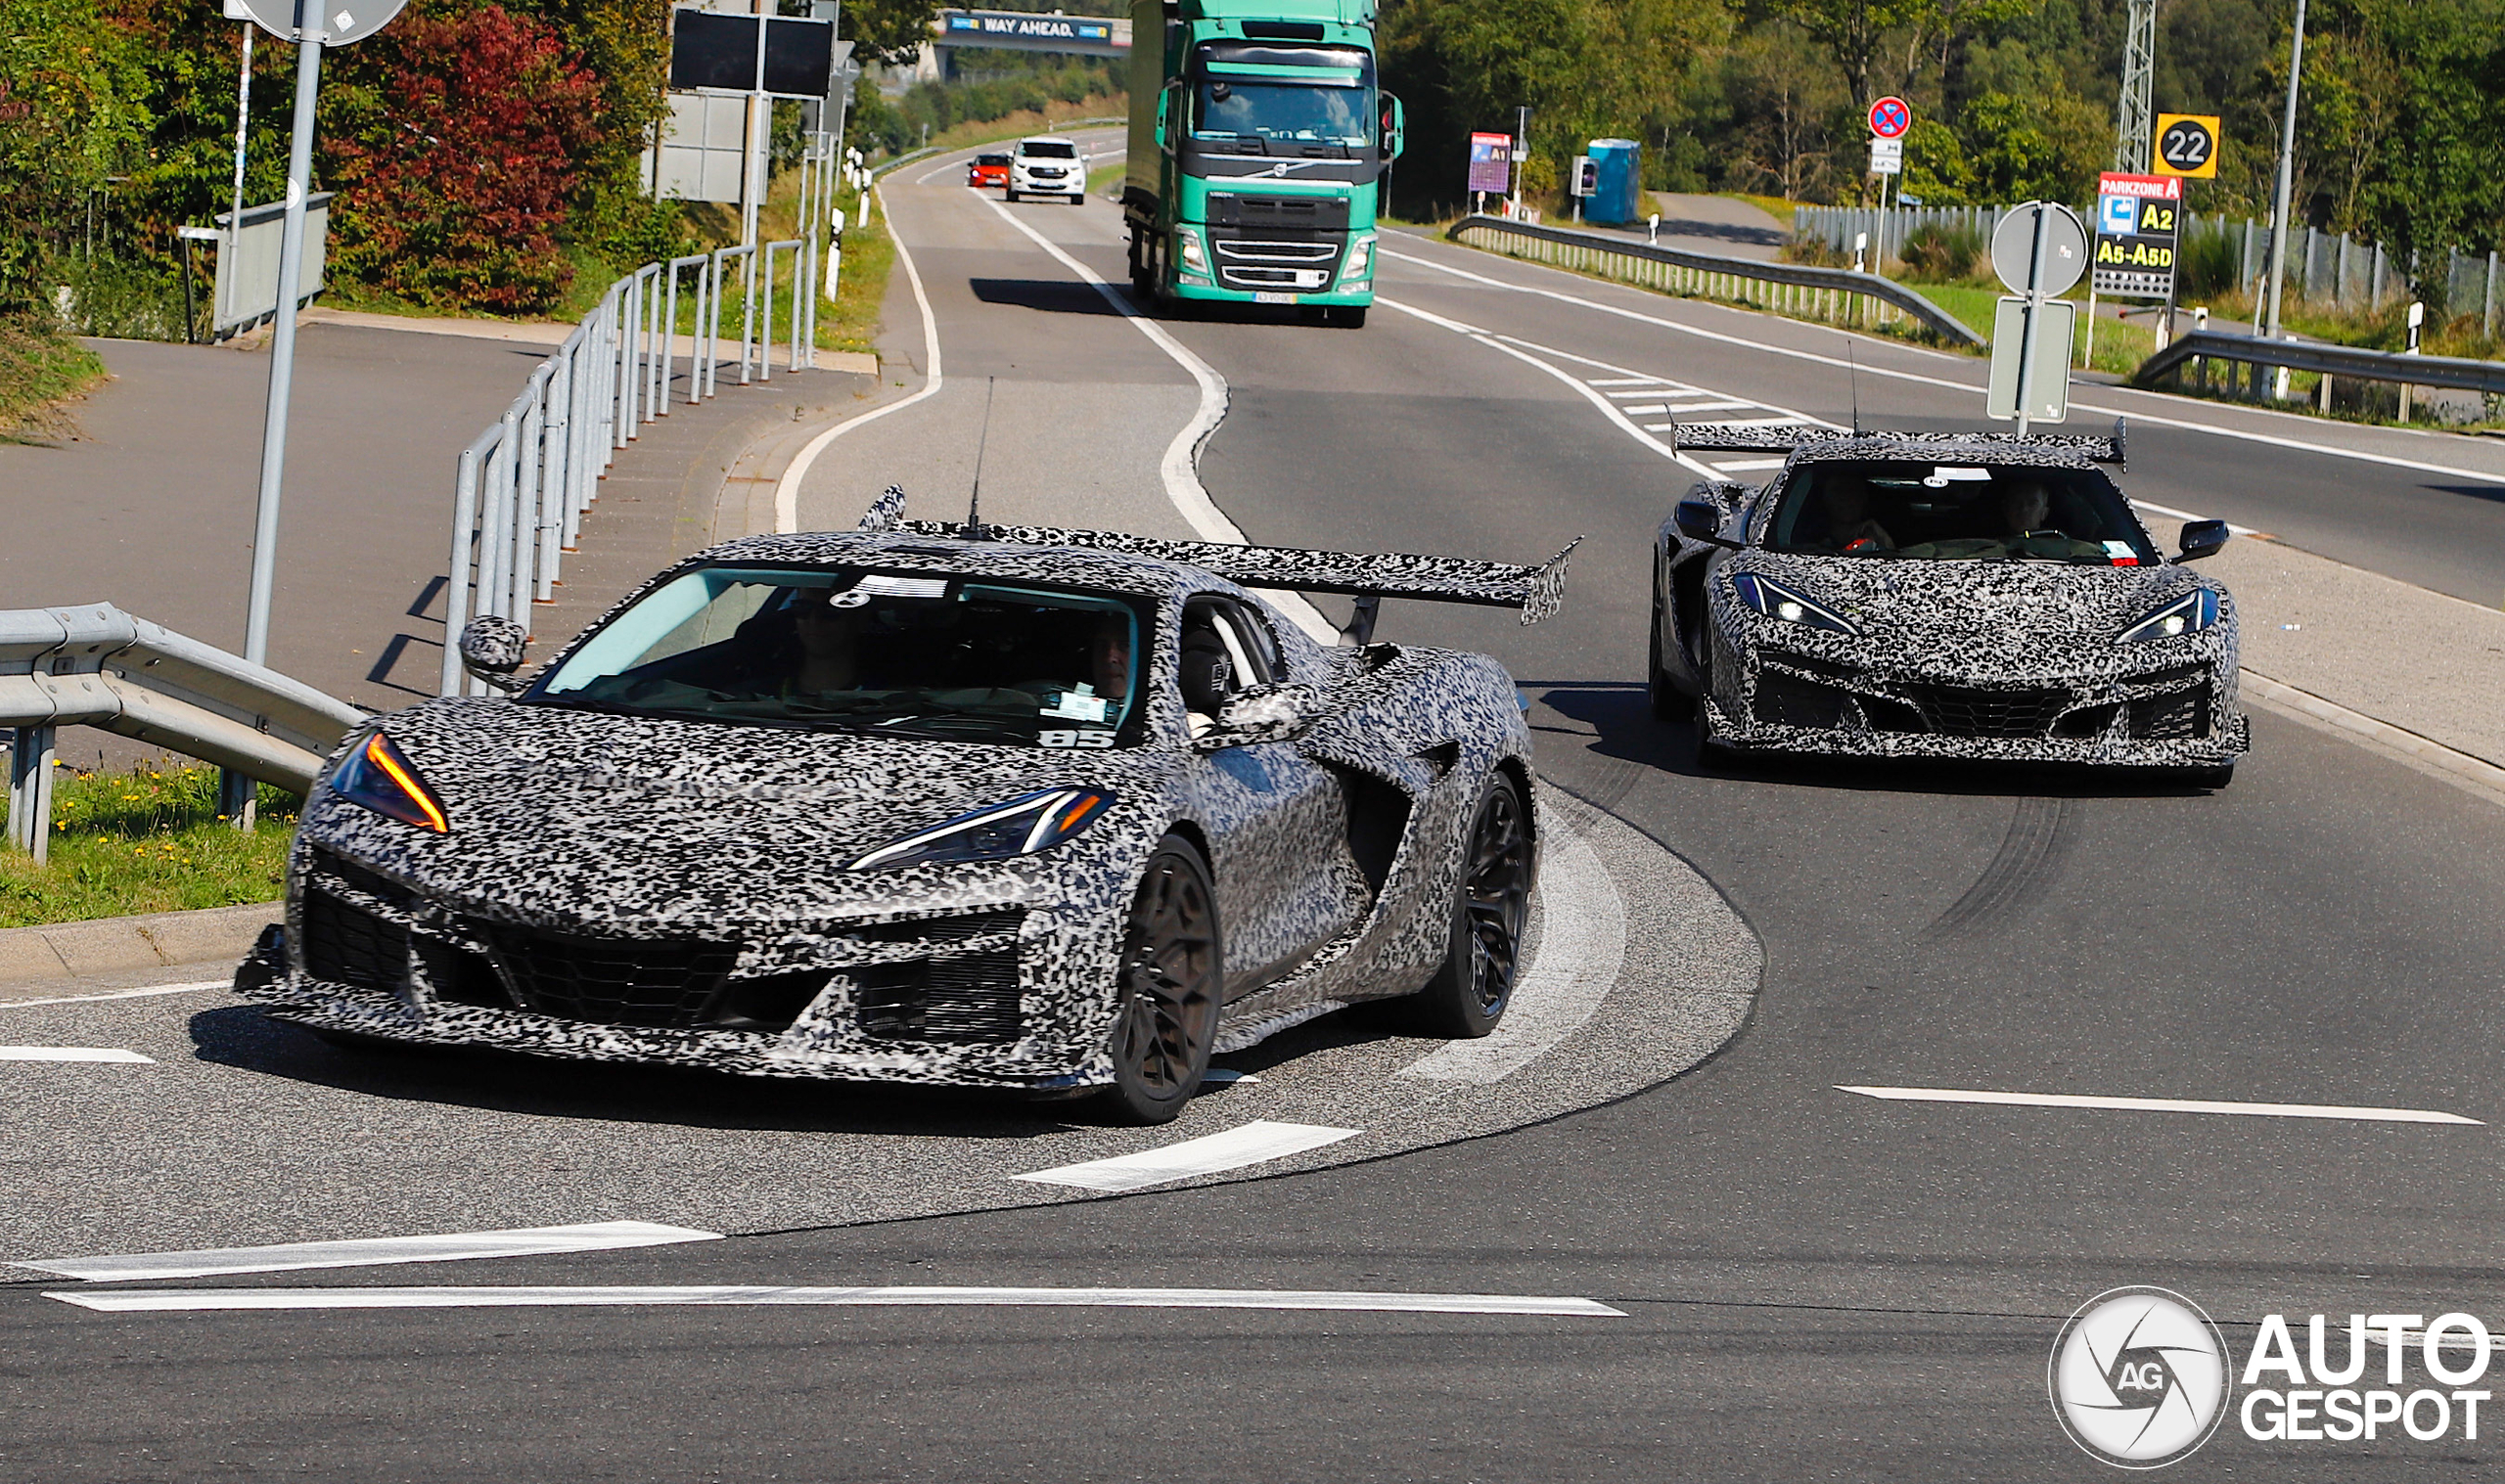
pixel 1169 988
pixel 1079 200
pixel 1012 195
pixel 1469 995
pixel 1347 316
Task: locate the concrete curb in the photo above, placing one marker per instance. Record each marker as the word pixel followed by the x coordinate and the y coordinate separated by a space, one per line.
pixel 116 945
pixel 2470 774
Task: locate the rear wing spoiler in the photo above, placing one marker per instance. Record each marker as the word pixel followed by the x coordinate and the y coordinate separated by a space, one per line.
pixel 1783 437
pixel 1537 591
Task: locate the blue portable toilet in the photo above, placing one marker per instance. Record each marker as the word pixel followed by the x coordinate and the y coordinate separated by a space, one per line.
pixel 1620 196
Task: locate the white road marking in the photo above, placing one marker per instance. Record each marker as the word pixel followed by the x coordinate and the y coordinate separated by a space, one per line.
pixel 1620 382
pixel 2160 1104
pixel 2185 515
pixel 1253 1143
pixel 1582 946
pixel 1653 411
pixel 123 994
pixel 2139 415
pixel 524 1242
pixel 786 490
pixel 162 1301
pixel 1180 468
pixel 73 1054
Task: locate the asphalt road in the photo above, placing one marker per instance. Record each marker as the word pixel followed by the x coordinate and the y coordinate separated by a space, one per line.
pixel 1811 1283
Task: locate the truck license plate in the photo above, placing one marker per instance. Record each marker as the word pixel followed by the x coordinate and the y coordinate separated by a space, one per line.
pixel 1274 298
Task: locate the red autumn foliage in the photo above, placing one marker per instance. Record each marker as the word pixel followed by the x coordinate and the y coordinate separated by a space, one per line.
pixel 455 144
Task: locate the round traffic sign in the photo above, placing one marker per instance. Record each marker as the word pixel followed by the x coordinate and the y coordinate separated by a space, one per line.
pixel 339 22
pixel 2064 259
pixel 1891 117
pixel 2189 145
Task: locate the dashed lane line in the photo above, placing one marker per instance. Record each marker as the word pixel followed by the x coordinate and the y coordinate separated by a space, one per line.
pixel 1254 1143
pixel 2160 1104
pixel 193 988
pixel 73 1053
pixel 201 1300
pixel 524 1242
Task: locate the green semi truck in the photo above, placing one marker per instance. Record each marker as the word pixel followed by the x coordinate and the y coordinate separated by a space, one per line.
pixel 1259 147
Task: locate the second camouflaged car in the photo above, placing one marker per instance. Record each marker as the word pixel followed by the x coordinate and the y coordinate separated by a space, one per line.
pixel 1002 807
pixel 1973 596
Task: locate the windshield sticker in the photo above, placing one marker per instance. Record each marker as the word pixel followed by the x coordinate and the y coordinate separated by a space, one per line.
pixel 1943 474
pixel 1080 704
pixel 879 585
pixel 2121 553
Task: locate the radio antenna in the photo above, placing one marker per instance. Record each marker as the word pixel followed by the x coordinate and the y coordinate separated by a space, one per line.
pixel 1852 364
pixel 974 530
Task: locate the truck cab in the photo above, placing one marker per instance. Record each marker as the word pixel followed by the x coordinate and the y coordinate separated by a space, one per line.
pixel 1260 142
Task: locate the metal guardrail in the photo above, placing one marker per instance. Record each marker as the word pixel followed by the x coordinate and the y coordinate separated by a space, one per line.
pixel 2202 346
pixel 522 487
pixel 98 666
pixel 1838 295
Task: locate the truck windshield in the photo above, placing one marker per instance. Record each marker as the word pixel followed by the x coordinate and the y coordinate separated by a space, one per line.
pixel 1284 113
pixel 844 649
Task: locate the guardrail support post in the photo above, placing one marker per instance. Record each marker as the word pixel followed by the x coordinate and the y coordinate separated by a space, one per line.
pixel 30 771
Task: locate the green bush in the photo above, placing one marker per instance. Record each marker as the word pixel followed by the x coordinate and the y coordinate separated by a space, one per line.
pixel 1943 254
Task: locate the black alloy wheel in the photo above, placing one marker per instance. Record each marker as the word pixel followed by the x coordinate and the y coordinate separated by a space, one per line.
pixel 1170 985
pixel 1670 702
pixel 1469 995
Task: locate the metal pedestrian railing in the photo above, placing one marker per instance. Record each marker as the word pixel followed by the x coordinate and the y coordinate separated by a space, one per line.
pixel 522 487
pixel 1837 296
pixel 98 666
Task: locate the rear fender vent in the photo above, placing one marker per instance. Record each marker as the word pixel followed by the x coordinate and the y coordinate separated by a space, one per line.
pixel 1378 818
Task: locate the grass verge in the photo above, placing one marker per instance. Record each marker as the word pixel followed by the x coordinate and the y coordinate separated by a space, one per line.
pixel 40 370
pixel 147 840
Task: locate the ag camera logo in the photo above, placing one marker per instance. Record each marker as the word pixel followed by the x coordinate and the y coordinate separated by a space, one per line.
pixel 2139 1377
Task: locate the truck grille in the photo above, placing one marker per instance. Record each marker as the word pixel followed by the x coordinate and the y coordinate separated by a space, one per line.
pixel 1303 267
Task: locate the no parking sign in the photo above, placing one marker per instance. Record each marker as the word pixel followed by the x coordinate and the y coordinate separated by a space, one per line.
pixel 1891 117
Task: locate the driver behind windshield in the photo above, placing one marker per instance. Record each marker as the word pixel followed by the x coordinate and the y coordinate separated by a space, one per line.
pixel 1920 511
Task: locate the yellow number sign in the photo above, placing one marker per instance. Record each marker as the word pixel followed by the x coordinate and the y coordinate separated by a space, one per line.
pixel 2187 144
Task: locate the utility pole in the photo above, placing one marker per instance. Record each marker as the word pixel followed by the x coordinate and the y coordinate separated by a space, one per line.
pixel 2287 172
pixel 2135 114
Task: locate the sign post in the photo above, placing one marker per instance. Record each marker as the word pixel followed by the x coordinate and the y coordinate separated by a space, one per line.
pixel 2040 249
pixel 300 22
pixel 1891 117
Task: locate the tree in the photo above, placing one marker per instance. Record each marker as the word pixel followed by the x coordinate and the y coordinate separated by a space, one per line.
pixel 72 116
pixel 1855 31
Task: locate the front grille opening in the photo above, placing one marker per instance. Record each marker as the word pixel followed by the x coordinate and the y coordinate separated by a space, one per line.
pixel 345 944
pixel 2176 716
pixel 613 982
pixel 1783 700
pixel 457 976
pixel 1810 665
pixel 374 884
pixel 967 1000
pixel 770 1003
pixel 948 929
pixel 1886 715
pixel 1961 711
pixel 2088 721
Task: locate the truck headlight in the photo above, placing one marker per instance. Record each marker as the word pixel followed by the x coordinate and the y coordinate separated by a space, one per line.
pixel 1187 246
pixel 1360 261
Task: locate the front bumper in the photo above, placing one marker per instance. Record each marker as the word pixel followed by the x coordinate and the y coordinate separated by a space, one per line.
pixel 2180 716
pixel 1004 995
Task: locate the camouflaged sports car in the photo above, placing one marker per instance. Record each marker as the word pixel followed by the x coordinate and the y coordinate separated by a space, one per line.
pixel 1974 596
pixel 1002 807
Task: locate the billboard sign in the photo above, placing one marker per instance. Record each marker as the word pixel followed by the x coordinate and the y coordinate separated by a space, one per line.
pixel 787 56
pixel 2137 220
pixel 1491 162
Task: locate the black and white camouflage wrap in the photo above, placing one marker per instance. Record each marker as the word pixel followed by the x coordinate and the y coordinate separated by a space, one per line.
pixel 1942 641
pixel 1335 851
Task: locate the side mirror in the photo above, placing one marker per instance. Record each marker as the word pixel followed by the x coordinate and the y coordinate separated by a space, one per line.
pixel 1395 127
pixel 1700 520
pixel 1261 714
pixel 491 650
pixel 2202 538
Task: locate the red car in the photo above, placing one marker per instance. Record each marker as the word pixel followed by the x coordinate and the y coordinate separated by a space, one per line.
pixel 988 171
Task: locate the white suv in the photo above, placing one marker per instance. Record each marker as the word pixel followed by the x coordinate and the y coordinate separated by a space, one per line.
pixel 1048 165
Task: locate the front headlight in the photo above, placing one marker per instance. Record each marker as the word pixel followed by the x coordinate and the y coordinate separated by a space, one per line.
pixel 2190 613
pixel 1361 259
pixel 1023 825
pixel 375 775
pixel 1775 601
pixel 1188 245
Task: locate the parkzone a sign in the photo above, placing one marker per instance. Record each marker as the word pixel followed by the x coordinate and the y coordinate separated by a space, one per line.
pixel 2137 222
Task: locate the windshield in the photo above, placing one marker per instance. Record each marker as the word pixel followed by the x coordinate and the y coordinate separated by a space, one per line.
pixel 852 650
pixel 1914 511
pixel 1048 151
